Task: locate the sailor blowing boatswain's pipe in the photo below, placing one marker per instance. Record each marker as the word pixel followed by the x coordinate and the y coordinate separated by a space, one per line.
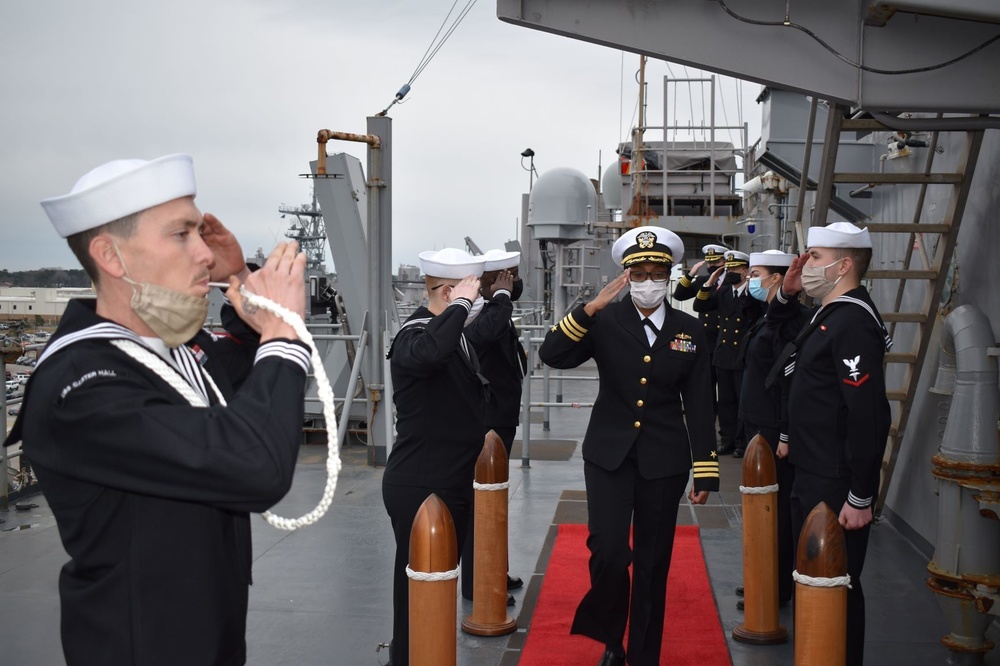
pixel 152 439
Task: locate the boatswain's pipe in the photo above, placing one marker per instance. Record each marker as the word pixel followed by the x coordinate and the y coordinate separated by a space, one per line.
pixel 760 548
pixel 489 587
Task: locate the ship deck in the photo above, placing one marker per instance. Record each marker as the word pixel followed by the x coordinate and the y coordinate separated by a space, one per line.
pixel 322 595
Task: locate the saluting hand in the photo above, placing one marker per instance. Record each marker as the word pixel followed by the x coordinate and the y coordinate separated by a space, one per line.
pixel 694 269
pixel 226 250
pixel 467 288
pixel 607 294
pixel 505 280
pixel 713 279
pixel 792 283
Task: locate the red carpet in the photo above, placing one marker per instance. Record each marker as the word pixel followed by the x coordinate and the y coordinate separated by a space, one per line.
pixel 692 632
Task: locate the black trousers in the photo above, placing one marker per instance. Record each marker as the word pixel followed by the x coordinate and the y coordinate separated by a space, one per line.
pixel 729 387
pixel 617 501
pixel 468 572
pixel 809 490
pixel 786 476
pixel 402 504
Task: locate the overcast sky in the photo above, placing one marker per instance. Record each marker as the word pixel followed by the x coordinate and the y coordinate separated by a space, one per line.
pixel 244 85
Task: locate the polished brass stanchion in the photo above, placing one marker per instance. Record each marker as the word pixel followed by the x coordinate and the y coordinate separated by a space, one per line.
pixel 489 586
pixel 433 572
pixel 760 548
pixel 821 591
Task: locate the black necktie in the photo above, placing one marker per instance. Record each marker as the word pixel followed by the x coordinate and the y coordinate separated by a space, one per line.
pixel 646 321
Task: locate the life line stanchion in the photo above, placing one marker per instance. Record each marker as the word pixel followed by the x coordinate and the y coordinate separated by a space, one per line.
pixel 760 548
pixel 433 573
pixel 489 586
pixel 821 583
pixel 324 392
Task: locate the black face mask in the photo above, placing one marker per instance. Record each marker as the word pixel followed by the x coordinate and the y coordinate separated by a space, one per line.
pixel 517 290
pixel 733 279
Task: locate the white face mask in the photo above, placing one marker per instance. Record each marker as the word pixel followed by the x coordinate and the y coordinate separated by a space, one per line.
pixel 815 283
pixel 648 293
pixel 477 307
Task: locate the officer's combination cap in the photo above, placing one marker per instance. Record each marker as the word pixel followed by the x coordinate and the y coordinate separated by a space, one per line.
pixel 714 253
pixel 648 244
pixel 737 259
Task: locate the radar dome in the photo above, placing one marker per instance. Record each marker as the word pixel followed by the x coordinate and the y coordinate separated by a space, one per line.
pixel 561 205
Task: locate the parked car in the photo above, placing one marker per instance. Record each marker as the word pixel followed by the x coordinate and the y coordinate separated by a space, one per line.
pixel 14 409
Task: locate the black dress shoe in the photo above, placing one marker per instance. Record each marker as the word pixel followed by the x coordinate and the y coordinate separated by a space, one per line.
pixel 738 453
pixel 510 600
pixel 724 449
pixel 513 582
pixel 739 604
pixel 609 658
pixel 739 590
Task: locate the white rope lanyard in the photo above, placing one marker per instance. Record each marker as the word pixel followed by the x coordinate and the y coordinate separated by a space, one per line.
pixel 325 394
pixel 838 581
pixel 490 486
pixel 432 576
pixel 759 490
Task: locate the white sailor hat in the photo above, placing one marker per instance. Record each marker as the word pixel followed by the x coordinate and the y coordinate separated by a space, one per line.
pixel 119 188
pixel 647 244
pixel 771 258
pixel 736 259
pixel 839 234
pixel 451 263
pixel 714 252
pixel 499 259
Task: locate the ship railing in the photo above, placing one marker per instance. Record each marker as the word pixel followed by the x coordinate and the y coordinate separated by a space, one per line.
pixel 544 373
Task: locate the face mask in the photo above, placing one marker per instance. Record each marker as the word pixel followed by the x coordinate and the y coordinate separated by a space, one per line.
pixel 732 279
pixel 174 316
pixel 814 281
pixel 517 290
pixel 648 293
pixel 756 290
pixel 477 307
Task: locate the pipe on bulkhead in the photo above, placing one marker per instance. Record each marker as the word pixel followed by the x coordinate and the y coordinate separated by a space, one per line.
pixel 965 569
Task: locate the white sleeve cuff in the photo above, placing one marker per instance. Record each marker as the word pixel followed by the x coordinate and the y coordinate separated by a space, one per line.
pixel 857 502
pixel 502 291
pixel 286 350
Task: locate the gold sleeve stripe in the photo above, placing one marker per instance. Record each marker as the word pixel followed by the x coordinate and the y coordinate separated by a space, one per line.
pixel 685 281
pixel 707 463
pixel 572 331
pixel 706 475
pixel 703 294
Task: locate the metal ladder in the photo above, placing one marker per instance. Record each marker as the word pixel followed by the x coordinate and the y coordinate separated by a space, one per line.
pixel 924 233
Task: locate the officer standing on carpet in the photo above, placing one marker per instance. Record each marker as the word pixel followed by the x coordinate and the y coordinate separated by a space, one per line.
pixel 764 410
pixel 503 362
pixel 737 311
pixel 152 439
pixel 440 398
pixel 838 412
pixel 652 417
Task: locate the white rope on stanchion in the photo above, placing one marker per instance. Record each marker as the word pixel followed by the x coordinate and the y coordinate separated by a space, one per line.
pixel 837 581
pixel 325 394
pixel 490 486
pixel 432 576
pixel 759 490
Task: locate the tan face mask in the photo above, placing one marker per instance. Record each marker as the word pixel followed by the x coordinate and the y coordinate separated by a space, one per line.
pixel 174 316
